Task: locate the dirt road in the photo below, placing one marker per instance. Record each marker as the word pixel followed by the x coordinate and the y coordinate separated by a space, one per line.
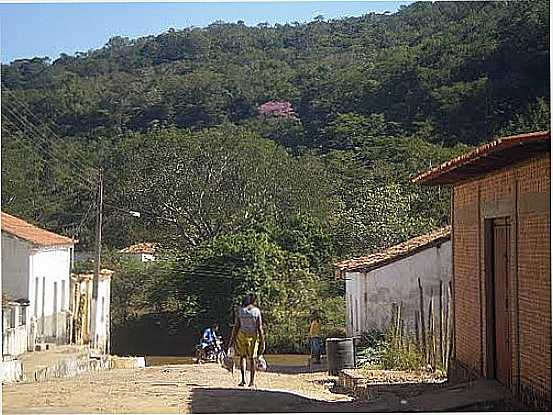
pixel 180 389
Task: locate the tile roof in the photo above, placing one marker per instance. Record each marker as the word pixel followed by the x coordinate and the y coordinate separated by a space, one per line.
pixel 396 252
pixel 497 154
pixel 141 248
pixel 31 233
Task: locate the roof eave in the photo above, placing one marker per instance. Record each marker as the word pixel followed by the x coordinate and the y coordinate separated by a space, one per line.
pixel 442 174
pixel 388 261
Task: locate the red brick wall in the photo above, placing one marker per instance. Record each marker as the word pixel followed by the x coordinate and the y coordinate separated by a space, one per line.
pixel 522 193
pixel 534 274
pixel 466 278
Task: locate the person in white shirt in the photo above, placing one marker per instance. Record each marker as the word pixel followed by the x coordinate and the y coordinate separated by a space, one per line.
pixel 248 337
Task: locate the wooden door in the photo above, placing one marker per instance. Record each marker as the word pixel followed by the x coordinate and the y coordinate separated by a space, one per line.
pixel 501 250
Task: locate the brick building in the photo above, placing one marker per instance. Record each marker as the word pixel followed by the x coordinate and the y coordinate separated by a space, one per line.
pixel 502 263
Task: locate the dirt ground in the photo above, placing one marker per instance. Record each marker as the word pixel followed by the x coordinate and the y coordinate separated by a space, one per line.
pixel 206 388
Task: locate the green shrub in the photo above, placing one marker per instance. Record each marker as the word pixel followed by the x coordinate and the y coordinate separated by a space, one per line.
pixel 401 357
pixel 382 350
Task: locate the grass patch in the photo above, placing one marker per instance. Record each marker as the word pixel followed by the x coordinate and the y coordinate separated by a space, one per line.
pixel 380 350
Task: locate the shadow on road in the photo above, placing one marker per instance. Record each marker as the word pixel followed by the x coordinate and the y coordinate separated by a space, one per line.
pixel 291 370
pixel 220 400
pixel 408 397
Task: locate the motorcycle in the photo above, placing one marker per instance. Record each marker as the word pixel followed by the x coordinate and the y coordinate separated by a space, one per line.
pixel 212 353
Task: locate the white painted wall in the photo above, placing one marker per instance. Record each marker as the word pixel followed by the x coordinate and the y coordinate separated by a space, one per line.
pixel 50 265
pixel 370 296
pixel 22 265
pixel 139 256
pixel 15 267
pixel 103 312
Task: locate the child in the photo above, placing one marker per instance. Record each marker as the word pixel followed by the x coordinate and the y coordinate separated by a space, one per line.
pixel 314 337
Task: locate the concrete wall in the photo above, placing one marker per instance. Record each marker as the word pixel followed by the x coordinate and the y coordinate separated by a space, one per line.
pixel 103 313
pixel 370 296
pixel 15 267
pixel 11 371
pixel 14 340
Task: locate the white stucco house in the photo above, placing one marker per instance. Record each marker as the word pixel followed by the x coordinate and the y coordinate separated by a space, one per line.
pixel 143 252
pixel 378 282
pixel 36 266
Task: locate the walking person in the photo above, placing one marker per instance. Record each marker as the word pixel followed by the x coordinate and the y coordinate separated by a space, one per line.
pixel 314 337
pixel 248 337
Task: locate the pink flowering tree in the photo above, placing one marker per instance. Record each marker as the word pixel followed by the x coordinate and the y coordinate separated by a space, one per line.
pixel 276 109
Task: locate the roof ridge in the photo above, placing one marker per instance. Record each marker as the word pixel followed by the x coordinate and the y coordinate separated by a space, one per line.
pixel 395 252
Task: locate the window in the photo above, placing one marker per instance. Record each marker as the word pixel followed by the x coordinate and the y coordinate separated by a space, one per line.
pixel 13 317
pixel 55 297
pixel 43 295
pixel 36 297
pixel 62 308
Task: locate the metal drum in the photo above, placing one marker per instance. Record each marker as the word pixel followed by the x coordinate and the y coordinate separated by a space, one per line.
pixel 340 355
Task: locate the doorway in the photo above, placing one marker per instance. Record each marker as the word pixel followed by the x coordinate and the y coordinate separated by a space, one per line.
pixel 498 243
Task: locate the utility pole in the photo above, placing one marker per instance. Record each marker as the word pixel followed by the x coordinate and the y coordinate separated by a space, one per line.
pixel 97 254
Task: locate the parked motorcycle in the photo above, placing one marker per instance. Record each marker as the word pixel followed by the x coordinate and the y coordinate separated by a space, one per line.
pixel 212 353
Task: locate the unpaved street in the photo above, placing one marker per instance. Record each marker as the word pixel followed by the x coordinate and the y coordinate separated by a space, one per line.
pixel 179 389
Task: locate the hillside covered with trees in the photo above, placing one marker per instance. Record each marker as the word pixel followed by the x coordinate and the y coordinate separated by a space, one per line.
pixel 258 156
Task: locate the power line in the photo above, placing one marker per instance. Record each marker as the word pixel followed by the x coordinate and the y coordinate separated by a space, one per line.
pixel 51 144
pixel 19 140
pixel 28 110
pixel 44 140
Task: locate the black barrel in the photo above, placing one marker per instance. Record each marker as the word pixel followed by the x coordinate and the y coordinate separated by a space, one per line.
pixel 340 355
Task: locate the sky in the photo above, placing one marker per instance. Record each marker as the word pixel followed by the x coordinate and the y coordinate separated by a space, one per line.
pixel 41 29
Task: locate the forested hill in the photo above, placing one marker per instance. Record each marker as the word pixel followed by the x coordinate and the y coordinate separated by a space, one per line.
pixel 365 102
pixel 447 71
pixel 258 156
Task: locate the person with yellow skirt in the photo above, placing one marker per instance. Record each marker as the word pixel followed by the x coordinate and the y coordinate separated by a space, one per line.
pixel 248 337
pixel 314 337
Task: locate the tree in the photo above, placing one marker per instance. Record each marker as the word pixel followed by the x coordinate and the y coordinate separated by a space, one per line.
pixel 198 186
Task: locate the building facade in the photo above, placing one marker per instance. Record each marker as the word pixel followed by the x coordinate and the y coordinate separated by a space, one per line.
pixel 379 283
pixel 502 263
pixel 15 330
pixel 83 329
pixel 36 266
pixel 143 252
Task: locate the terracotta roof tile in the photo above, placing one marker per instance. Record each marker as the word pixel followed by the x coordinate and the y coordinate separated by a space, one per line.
pixel 494 155
pixel 141 248
pixel 31 233
pixel 395 252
